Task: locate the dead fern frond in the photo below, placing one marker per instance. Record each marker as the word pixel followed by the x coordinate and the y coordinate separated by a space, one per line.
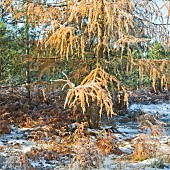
pixel 147 144
pixel 108 144
pixel 87 155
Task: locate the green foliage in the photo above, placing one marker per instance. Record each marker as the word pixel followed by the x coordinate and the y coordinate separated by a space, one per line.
pixel 11 48
pixel 157 51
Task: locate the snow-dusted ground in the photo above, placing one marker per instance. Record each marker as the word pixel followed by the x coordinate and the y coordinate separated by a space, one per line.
pixel 131 130
pixel 162 108
pixel 124 165
pixel 16 143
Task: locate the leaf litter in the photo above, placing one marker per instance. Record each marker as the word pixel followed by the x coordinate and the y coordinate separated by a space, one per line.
pixel 39 138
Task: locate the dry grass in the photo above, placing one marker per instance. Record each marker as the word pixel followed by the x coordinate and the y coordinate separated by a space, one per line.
pixel 147 143
pixel 17 161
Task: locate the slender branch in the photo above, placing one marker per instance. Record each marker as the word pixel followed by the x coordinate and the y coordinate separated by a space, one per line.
pixel 156 24
pixel 60 4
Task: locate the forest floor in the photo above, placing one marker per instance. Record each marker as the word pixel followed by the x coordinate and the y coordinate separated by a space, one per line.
pixel 45 137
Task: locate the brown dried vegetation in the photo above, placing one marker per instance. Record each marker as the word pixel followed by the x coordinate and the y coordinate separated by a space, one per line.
pixel 48 126
pixel 147 143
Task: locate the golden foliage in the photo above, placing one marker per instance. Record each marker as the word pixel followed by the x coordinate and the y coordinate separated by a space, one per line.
pixel 155 69
pixel 94 86
pixel 72 26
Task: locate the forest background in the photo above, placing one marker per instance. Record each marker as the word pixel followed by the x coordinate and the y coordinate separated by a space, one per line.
pixel 92 51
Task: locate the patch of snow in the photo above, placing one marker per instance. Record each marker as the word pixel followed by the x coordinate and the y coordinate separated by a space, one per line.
pixel 35 164
pixel 147 165
pixel 1 143
pixel 127 130
pixel 20 141
pixel 126 149
pixel 29 129
pixel 163 108
pixel 26 149
pixel 108 163
pixel 106 127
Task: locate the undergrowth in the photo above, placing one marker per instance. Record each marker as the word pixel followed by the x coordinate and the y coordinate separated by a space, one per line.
pixel 47 126
pixel 147 143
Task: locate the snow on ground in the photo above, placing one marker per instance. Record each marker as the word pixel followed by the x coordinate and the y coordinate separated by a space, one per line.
pixel 131 130
pixel 162 108
pixel 16 142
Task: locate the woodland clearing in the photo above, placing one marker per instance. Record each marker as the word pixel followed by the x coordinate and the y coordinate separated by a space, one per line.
pixel 47 138
pixel 84 84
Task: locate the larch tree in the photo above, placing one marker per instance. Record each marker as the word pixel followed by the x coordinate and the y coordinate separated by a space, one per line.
pixel 86 38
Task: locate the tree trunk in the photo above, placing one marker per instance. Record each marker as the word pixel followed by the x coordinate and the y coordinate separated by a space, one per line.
pixel 28 64
pixel 101 30
pixel 92 115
